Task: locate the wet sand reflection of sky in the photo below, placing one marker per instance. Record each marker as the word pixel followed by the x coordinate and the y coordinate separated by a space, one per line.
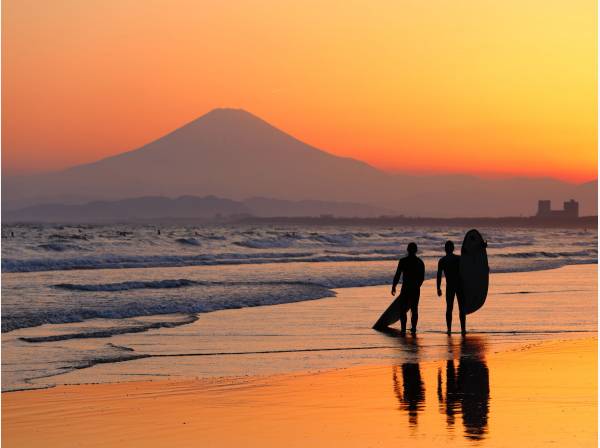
pixel 463 387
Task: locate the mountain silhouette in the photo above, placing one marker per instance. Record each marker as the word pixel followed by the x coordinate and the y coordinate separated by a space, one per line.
pixel 233 154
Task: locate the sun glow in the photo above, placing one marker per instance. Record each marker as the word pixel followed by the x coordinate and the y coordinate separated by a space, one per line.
pixel 490 88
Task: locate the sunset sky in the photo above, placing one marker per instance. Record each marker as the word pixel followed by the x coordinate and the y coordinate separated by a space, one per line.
pixel 479 86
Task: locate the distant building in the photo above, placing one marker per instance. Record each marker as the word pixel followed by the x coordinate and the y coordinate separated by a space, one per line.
pixel 570 210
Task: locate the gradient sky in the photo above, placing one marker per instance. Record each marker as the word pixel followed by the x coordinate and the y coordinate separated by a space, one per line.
pixel 479 86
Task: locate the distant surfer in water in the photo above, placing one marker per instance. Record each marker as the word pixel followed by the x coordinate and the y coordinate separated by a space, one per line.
pixel 449 266
pixel 412 270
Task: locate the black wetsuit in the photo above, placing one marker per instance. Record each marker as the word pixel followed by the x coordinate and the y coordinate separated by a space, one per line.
pixel 412 270
pixel 449 266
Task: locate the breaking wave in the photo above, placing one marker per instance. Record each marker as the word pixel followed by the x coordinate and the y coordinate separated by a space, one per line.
pixel 213 297
pixel 126 286
pixel 543 254
pixel 188 241
pixel 60 247
pixel 154 261
pixel 108 332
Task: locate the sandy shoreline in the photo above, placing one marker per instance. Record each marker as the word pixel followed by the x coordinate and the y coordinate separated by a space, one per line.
pixel 535 396
pixel 522 308
pixel 314 372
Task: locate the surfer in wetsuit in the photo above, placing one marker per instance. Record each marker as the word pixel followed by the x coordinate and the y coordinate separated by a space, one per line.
pixel 412 270
pixel 449 266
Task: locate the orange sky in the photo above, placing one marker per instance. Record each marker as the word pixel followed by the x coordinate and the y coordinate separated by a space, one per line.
pixel 478 86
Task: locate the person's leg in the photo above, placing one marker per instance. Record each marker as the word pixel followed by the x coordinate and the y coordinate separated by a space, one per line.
pixel 414 313
pixel 403 321
pixel 449 307
pixel 461 314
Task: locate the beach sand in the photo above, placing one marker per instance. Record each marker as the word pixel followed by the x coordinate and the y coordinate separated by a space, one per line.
pixel 537 396
pixel 315 373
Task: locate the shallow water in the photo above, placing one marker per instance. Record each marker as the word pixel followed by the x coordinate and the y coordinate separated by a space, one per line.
pixel 61 274
pixel 72 288
pixel 522 308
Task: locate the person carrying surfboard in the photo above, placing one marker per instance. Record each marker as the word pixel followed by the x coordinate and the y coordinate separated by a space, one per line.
pixel 449 266
pixel 412 270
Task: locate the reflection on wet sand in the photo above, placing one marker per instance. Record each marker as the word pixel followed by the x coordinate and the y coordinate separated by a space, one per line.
pixel 466 392
pixel 411 395
pixel 467 388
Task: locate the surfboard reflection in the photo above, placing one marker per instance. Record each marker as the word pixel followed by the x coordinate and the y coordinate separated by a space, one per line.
pixel 467 389
pixel 463 387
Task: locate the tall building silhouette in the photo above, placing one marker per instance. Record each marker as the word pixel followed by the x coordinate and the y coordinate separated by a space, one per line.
pixel 570 209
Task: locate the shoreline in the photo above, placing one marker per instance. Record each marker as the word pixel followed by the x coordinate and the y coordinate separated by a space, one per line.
pixel 359 405
pixel 310 335
pixel 580 336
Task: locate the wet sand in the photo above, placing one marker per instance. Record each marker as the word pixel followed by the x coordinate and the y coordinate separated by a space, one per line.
pixel 291 375
pixel 541 395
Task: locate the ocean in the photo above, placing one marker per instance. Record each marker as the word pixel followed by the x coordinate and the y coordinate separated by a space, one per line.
pixel 69 284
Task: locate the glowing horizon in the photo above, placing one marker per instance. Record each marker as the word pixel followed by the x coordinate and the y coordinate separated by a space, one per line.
pixel 463 87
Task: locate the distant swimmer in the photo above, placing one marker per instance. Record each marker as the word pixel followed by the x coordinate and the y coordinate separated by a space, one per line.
pixel 449 266
pixel 158 231
pixel 412 270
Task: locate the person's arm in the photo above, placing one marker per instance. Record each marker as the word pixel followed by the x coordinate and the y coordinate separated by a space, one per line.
pixel 439 277
pixel 397 277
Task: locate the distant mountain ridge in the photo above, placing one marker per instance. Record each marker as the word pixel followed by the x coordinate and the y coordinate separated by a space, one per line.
pixel 156 208
pixel 234 154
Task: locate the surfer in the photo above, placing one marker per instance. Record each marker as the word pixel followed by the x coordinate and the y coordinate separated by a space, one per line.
pixel 412 270
pixel 449 266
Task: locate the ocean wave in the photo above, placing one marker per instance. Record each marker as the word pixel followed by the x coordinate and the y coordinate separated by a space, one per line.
pixel 502 245
pixel 207 296
pixel 544 254
pixel 126 286
pixel 111 261
pixel 214 297
pixel 75 236
pixel 268 243
pixel 60 247
pixel 212 236
pixel 188 241
pixel 337 239
pixel 153 261
pixel 108 332
pixel 289 239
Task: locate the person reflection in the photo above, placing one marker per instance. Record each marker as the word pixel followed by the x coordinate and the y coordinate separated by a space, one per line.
pixel 450 402
pixel 467 389
pixel 411 395
pixel 409 387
